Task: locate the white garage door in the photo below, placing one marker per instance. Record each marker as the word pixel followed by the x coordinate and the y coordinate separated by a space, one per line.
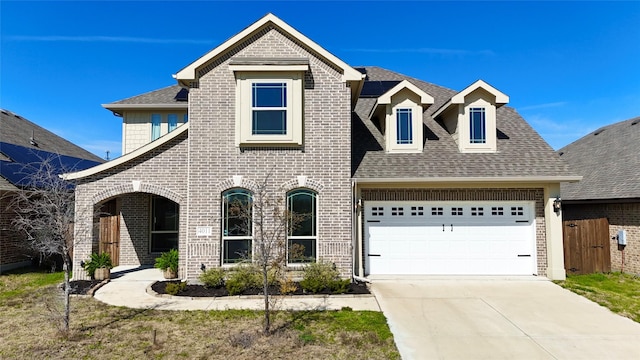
pixel 447 238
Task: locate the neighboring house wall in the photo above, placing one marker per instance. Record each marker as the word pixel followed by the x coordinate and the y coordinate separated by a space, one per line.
pixel 13 250
pixel 622 216
pixel 162 171
pixel 324 159
pixel 136 127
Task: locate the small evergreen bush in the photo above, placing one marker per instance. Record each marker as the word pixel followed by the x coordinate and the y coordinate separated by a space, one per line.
pixel 321 276
pixel 175 288
pixel 243 277
pixel 213 277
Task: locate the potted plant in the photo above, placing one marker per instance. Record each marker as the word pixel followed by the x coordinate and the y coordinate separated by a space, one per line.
pixel 168 263
pixel 99 266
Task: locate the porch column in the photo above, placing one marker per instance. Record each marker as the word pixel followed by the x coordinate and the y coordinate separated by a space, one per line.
pixel 553 223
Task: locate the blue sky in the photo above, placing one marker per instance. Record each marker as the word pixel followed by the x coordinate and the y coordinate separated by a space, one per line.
pixel 568 67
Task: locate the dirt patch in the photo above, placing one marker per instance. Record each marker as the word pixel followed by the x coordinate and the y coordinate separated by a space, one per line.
pixel 355 288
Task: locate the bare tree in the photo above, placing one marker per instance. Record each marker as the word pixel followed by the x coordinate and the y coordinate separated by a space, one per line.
pixel 44 212
pixel 267 215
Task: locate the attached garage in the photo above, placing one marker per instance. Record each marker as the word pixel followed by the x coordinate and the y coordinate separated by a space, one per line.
pixel 450 238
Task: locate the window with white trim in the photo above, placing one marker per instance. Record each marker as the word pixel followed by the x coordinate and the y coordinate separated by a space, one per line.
pixel 404 126
pixel 164 224
pixel 236 226
pixel 269 108
pixel 477 125
pixel 156 120
pixel 302 232
pixel 172 121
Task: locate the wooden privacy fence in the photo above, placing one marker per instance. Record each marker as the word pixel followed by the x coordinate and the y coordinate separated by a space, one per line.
pixel 586 246
pixel 110 237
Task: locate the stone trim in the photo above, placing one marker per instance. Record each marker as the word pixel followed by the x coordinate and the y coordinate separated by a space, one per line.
pixel 302 182
pixel 133 187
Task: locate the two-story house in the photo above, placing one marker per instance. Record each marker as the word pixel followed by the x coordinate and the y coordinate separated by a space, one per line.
pixel 400 176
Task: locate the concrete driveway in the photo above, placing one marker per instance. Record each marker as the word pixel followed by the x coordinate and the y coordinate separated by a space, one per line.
pixel 507 318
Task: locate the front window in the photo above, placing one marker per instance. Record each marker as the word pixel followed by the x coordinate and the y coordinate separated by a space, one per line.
pixel 478 126
pixel 156 119
pixel 269 109
pixel 236 227
pixel 164 224
pixel 302 232
pixel 404 127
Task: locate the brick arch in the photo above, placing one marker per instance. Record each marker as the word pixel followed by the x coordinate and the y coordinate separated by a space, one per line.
pixel 233 183
pixel 143 187
pixel 306 183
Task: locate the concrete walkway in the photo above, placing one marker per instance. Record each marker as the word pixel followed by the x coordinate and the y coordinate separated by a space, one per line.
pixel 508 318
pixel 128 287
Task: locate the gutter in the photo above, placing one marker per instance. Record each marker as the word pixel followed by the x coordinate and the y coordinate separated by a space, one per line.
pixel 514 179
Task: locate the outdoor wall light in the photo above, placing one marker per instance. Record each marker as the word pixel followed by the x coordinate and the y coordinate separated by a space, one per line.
pixel 203 267
pixel 557 205
pixel 82 264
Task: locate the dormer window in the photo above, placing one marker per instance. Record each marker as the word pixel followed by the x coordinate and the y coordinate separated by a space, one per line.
pixel 404 126
pixel 477 126
pixel 400 112
pixel 470 117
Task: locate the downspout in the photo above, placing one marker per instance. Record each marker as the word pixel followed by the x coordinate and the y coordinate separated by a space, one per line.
pixel 355 227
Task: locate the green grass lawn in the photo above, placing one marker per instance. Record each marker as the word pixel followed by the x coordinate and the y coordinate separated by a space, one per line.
pixel 28 301
pixel 618 292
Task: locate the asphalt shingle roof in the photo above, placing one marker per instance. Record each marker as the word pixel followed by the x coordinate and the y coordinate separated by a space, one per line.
pixel 609 161
pixel 23 143
pixel 173 94
pixel 521 150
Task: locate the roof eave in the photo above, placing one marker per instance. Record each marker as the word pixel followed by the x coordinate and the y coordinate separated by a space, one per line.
pixel 120 107
pixel 188 73
pixel 127 157
pixel 488 179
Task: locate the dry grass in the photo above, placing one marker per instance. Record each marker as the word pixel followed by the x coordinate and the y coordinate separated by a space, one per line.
pixel 99 331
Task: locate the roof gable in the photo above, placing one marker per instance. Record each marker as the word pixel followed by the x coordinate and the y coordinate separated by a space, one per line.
pixel 459 98
pixel 190 72
pixel 425 99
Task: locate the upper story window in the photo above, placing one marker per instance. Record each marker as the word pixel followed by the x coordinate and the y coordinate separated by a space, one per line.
pixel 269 101
pixel 156 120
pixel 172 121
pixel 237 229
pixel 477 125
pixel 269 108
pixel 404 126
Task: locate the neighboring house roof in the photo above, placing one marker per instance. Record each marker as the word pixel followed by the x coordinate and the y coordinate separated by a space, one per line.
pixel 170 97
pixel 609 161
pixel 23 144
pixel 522 154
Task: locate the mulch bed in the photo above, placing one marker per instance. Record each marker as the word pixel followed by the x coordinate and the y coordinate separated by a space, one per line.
pixel 201 291
pixel 81 287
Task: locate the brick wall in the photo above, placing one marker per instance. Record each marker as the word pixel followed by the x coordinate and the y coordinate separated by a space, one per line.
pixel 13 248
pixel 536 195
pixel 621 216
pixel 324 160
pixel 163 172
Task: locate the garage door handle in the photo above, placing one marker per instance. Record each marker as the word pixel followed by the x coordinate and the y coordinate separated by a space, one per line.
pixel 442 227
pixel 373 254
pixel 528 255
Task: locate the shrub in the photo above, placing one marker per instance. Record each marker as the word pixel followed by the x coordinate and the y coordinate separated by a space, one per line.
pixel 168 260
pixel 213 277
pixel 287 286
pixel 97 261
pixel 322 275
pixel 243 277
pixel 175 288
